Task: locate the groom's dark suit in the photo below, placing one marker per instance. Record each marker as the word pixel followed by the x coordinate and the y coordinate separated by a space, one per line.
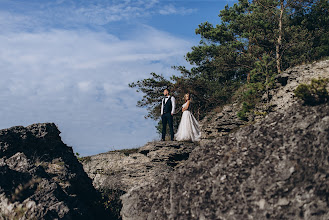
pixel 168 106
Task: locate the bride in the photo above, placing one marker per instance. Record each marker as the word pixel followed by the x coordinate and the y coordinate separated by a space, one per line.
pixel 188 129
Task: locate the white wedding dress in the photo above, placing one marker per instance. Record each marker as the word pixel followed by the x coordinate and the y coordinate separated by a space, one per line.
pixel 188 129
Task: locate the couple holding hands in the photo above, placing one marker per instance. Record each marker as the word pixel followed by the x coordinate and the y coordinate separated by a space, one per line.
pixel 188 129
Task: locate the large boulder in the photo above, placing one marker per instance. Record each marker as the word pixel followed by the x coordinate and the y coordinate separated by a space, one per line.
pixel 40 178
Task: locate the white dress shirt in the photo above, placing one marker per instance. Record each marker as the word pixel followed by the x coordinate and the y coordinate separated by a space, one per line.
pixel 173 102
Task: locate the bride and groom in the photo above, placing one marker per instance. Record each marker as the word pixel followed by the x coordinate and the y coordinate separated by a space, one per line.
pixel 188 129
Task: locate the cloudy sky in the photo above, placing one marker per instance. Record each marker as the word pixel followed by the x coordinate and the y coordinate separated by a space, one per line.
pixel 70 62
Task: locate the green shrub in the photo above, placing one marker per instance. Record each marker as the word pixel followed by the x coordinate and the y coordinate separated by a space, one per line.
pixel 246 107
pixel 262 79
pixel 313 94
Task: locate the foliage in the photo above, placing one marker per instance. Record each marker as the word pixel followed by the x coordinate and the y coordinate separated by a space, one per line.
pixel 82 159
pixel 315 93
pixel 262 79
pixel 152 88
pixel 254 41
pixel 316 21
pixel 246 107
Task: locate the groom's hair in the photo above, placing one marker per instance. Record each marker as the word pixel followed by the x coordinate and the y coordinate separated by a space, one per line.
pixel 167 89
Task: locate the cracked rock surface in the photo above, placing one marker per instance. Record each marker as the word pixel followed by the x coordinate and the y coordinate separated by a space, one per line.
pixel 40 178
pixel 122 170
pixel 277 168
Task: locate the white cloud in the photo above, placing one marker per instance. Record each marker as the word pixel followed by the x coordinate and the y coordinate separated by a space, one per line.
pixel 12 21
pixel 55 68
pixel 85 86
pixel 171 9
pixel 79 80
pixel 70 13
pixel 127 10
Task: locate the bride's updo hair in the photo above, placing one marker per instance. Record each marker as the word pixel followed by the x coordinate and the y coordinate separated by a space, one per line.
pixel 189 96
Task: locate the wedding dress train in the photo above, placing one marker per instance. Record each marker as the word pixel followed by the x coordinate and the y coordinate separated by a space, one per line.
pixel 188 129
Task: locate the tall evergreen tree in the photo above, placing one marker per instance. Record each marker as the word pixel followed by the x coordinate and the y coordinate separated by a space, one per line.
pixel 255 40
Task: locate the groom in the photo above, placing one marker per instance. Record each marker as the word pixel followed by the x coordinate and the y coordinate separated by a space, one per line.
pixel 167 112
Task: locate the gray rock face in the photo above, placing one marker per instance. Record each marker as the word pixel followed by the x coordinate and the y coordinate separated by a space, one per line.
pixel 283 96
pixel 124 171
pixel 277 168
pixel 40 178
pixel 221 123
pixel 218 124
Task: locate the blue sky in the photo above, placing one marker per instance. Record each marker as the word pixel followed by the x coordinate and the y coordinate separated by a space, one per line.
pixel 70 62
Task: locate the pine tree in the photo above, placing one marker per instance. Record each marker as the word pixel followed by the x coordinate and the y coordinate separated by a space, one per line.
pixel 254 41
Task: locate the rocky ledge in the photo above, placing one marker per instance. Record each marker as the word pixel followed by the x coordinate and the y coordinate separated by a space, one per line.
pixel 127 169
pixel 40 178
pixel 277 168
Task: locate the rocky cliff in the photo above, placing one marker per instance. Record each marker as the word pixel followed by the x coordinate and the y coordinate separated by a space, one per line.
pixel 282 97
pixel 40 178
pixel 274 168
pixel 117 172
pixel 224 119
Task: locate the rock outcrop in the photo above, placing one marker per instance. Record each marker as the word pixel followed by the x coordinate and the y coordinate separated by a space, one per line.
pixel 283 96
pixel 128 169
pixel 277 168
pixel 273 169
pixel 222 122
pixel 40 178
pixel 225 120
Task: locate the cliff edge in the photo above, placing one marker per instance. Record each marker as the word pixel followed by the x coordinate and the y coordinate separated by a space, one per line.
pixel 273 167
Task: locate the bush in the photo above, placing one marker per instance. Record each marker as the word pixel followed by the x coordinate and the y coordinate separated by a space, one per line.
pixel 246 107
pixel 262 79
pixel 313 94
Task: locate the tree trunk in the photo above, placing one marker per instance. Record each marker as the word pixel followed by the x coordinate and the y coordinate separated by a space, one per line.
pixel 267 88
pixel 279 42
